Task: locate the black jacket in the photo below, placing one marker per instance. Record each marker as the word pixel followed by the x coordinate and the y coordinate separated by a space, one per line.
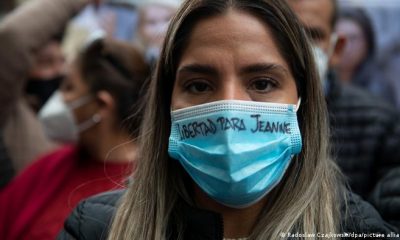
pixel 91 220
pixel 386 197
pixel 365 137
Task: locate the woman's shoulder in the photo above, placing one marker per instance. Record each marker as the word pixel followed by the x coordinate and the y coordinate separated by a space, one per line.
pixel 91 219
pixel 362 218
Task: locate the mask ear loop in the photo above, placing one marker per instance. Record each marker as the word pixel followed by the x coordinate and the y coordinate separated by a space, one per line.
pixel 333 42
pixel 85 125
pixel 80 102
pixel 298 104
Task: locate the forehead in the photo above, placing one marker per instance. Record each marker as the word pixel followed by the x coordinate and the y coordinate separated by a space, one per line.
pixel 313 13
pixel 236 36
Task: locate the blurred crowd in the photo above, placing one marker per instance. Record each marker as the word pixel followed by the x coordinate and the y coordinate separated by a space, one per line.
pixel 74 80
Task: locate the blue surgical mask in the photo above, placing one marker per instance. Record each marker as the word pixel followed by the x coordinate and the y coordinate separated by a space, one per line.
pixel 235 151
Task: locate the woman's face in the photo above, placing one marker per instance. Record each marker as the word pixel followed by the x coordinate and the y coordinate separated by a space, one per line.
pixel 232 57
pixel 356 49
pixel 74 88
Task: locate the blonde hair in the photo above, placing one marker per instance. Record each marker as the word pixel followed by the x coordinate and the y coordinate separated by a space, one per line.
pixel 306 200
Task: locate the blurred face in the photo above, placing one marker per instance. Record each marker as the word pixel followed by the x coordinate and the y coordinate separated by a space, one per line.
pixel 74 88
pixel 49 62
pixel 232 57
pixel 315 15
pixel 155 20
pixel 356 46
pixel 45 76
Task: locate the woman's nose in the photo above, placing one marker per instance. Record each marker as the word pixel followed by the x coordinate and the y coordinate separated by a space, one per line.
pixel 232 89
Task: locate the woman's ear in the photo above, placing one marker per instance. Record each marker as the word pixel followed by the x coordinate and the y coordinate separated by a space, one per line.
pixel 338 51
pixel 106 103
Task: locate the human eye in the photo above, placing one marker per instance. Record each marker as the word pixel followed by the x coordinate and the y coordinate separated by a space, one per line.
pixel 197 86
pixel 262 85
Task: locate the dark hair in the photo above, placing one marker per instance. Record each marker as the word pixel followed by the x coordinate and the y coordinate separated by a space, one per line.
pixel 360 17
pixel 119 69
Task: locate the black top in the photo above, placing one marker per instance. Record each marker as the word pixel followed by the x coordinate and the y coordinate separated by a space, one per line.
pixel 386 197
pixel 92 219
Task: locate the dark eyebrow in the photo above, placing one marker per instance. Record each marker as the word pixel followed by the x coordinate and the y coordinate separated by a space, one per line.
pixel 263 68
pixel 198 68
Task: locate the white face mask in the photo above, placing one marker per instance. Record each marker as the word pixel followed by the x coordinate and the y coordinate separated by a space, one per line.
pixel 59 122
pixel 322 59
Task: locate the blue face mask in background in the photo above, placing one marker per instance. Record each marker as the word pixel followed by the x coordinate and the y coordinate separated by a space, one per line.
pixel 235 151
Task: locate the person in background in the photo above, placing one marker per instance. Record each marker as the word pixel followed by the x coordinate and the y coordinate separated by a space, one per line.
pixel 154 18
pixel 235 138
pixel 46 74
pixel 365 130
pixel 32 65
pixel 103 88
pixel 357 64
